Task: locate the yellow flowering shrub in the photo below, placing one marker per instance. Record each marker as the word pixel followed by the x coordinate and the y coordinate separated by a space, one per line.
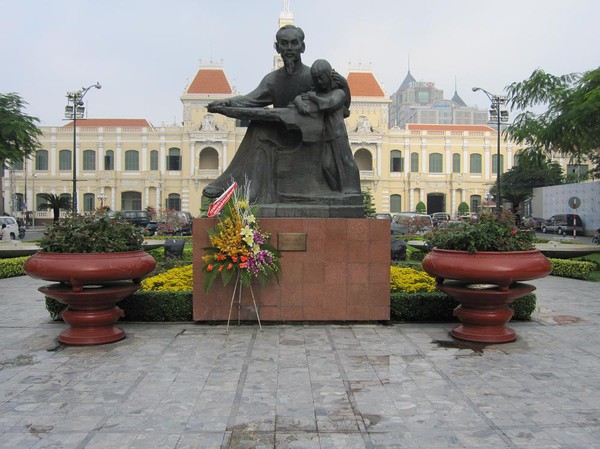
pixel 175 279
pixel 409 280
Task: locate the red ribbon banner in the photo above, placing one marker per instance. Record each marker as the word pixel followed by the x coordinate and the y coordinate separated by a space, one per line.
pixel 220 202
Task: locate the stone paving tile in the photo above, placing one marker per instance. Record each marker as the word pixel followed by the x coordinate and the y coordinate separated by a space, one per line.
pixel 186 385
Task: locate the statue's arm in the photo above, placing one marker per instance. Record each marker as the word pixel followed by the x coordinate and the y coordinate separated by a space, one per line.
pixel 329 102
pixel 343 84
pixel 258 98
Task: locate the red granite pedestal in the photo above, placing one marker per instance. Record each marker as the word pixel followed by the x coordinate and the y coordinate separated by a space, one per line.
pixel 343 274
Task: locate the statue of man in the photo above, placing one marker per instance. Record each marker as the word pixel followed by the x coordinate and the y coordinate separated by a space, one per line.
pixel 257 153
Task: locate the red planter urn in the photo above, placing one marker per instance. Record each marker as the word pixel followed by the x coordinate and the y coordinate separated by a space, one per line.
pixel 90 284
pixel 485 283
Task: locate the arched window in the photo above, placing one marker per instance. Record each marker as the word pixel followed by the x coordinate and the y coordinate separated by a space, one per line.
pixel 475 163
pixel 64 160
pixel 456 163
pixel 109 160
pixel 209 159
pixel 414 162
pixel 89 160
pixel 396 162
pixel 174 201
pixel 132 160
pixel 475 203
pixel 363 159
pixel 395 203
pixel 435 163
pixel 19 201
pixel 17 165
pixel 153 160
pixel 69 198
pixel 174 159
pixel 495 163
pixel 88 202
pixel 131 200
pixel 41 160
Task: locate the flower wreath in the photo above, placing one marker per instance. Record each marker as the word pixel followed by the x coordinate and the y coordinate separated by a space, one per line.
pixel 238 247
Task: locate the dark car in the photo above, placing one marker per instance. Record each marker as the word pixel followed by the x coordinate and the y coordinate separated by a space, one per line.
pixel 152 228
pixel 138 217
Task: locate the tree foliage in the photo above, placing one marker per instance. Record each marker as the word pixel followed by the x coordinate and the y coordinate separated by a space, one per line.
pixel 368 203
pixel 18 131
pixel 56 203
pixel 571 124
pixel 533 170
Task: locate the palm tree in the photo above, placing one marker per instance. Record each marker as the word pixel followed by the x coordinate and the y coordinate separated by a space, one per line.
pixel 55 202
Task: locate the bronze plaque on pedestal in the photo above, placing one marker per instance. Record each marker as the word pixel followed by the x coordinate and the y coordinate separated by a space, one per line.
pixel 291 241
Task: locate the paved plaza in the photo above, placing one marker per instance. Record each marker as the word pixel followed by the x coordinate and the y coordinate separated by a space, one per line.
pixel 191 386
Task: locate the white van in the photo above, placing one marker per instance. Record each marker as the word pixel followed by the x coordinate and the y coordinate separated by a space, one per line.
pixel 12 226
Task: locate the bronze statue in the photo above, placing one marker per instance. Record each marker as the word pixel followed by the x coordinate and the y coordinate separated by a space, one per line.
pixel 288 152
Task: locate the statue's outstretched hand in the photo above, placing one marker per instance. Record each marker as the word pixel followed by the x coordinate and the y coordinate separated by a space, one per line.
pixel 217 104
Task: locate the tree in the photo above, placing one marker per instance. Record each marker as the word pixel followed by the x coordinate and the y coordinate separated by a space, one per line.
pixel 421 208
pixel 571 124
pixel 18 131
pixel 463 208
pixel 55 202
pixel 368 204
pixel 533 170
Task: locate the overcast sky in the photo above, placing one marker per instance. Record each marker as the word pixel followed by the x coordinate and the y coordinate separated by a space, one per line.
pixel 144 52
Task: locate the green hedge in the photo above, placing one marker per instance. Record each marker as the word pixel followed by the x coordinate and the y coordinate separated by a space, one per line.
pixel 437 306
pixel 574 269
pixel 12 267
pixel 177 306
pixel 145 306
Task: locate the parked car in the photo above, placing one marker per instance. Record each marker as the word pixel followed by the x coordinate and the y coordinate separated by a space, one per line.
pixel 383 216
pixel 563 224
pixel 412 223
pixel 138 217
pixel 439 217
pixel 12 226
pixel 532 222
pixel 179 223
pixel 152 228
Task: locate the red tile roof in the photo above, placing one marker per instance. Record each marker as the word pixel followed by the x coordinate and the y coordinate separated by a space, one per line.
pixel 210 81
pixel 364 84
pixel 434 127
pixel 112 122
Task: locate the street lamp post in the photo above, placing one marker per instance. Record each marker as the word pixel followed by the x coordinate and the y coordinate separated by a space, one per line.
pixel 74 110
pixel 499 115
pixel 101 197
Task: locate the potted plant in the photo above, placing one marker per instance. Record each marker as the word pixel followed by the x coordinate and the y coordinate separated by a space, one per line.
pixel 97 261
pixel 481 263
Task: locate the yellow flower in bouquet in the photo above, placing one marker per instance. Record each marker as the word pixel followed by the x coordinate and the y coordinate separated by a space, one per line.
pixel 238 246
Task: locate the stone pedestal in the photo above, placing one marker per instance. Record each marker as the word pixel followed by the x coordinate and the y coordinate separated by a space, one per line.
pixel 343 274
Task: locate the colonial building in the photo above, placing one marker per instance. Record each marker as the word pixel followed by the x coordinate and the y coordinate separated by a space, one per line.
pixel 131 164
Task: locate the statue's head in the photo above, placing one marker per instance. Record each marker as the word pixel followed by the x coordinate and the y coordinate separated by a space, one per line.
pixel 289 43
pixel 321 73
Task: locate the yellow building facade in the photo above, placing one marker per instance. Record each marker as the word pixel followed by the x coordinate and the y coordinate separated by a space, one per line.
pixel 130 164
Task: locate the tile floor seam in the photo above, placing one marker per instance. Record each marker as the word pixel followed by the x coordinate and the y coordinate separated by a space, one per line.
pixel 97 429
pixel 496 429
pixel 237 399
pixel 349 394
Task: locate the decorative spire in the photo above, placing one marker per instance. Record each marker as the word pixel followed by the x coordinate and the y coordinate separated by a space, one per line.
pixel 285 18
